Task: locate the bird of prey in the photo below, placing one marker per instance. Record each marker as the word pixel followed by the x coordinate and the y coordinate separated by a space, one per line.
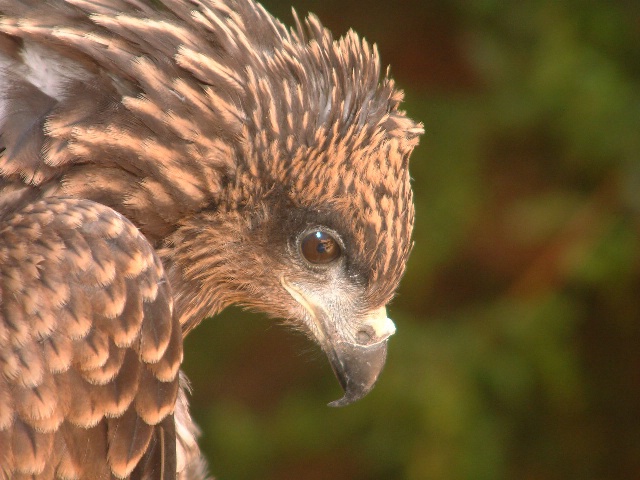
pixel 161 160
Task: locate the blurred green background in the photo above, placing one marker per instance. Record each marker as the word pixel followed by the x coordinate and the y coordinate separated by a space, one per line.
pixel 517 354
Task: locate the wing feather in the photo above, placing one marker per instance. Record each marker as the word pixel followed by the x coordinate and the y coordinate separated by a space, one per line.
pixel 89 346
pixel 155 399
pixel 129 437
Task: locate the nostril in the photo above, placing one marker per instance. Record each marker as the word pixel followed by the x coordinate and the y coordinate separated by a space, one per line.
pixel 365 335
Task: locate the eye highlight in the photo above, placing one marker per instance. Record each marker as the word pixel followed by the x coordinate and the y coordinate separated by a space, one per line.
pixel 320 247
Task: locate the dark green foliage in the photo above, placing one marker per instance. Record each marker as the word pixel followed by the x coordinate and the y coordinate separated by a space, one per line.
pixel 517 352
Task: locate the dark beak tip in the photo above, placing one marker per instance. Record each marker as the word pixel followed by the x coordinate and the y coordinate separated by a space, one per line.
pixel 357 369
pixel 351 396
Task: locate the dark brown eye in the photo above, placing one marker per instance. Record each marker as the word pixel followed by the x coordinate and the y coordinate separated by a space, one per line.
pixel 319 247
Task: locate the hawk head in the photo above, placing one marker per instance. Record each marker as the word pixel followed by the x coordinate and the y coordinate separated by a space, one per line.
pixel 315 223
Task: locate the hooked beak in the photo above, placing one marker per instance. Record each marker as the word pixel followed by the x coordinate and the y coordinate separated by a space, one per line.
pixel 356 357
pixel 357 369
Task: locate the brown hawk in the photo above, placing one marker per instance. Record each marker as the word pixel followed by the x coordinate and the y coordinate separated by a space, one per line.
pixel 159 161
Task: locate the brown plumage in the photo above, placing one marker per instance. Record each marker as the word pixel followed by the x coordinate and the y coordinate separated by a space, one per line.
pixel 160 162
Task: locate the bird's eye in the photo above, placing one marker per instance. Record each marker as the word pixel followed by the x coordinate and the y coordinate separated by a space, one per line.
pixel 320 247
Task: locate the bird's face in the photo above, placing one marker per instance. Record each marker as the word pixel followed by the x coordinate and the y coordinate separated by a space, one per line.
pixel 352 334
pixel 318 280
